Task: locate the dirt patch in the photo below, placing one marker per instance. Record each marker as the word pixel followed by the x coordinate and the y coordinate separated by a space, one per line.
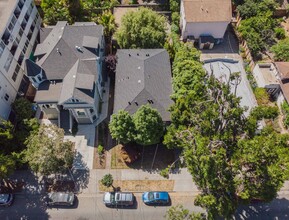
pixel 11 187
pixel 163 158
pixel 140 185
pixel 60 186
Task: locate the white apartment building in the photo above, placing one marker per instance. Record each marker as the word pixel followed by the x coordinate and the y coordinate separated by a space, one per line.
pixel 19 27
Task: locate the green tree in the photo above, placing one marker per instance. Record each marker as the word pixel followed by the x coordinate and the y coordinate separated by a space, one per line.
pixel 107 180
pixel 47 152
pixel 143 28
pixel 251 8
pixel 7 166
pixel 148 125
pixel 107 20
pixel 261 165
pixel 55 10
pixel 23 109
pixel 281 50
pixel 122 127
pixel 178 212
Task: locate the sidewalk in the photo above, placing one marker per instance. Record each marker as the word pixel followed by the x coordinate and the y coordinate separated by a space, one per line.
pixel 182 181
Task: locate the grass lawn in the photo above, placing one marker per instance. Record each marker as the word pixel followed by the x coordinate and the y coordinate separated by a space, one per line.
pixel 140 185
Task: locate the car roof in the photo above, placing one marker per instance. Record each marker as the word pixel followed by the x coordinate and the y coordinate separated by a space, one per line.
pixel 161 195
pixel 60 196
pixel 124 196
pixel 4 198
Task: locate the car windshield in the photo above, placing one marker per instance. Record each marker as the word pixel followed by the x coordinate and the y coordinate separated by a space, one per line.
pixel 150 196
pixel 112 197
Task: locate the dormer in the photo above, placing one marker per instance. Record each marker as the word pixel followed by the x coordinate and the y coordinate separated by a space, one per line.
pixel 35 73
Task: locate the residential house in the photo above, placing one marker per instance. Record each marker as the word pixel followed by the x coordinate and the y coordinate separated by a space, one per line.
pixel 68 72
pixel 205 21
pixel 143 76
pixel 19 27
pixel 274 77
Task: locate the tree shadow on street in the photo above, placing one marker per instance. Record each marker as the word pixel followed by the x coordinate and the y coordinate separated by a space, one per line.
pixel 277 209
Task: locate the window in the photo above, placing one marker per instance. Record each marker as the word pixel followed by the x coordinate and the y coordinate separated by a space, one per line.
pixel 33 79
pixel 8 62
pixel 6 97
pixel 2 47
pixel 15 74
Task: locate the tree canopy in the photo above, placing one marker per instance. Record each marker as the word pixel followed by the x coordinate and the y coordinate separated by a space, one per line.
pixel 149 126
pixel 122 127
pixel 281 50
pixel 107 20
pixel 143 28
pixel 221 148
pixel 47 152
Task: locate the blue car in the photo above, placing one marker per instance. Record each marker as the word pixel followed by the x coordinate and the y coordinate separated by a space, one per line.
pixel 156 198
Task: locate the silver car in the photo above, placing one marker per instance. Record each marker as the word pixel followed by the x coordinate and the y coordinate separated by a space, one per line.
pixel 118 199
pixel 6 199
pixel 61 199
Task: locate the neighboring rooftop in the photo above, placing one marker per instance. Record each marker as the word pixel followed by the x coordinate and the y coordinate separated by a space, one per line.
pixel 221 70
pixel 208 10
pixel 283 69
pixel 6 9
pixel 265 74
pixel 143 76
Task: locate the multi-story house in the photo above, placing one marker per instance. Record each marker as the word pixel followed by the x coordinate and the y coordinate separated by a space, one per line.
pixel 19 27
pixel 68 72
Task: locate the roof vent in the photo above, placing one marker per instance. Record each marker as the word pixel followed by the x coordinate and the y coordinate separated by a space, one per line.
pixel 137 54
pixel 147 54
pixel 129 103
pixel 138 68
pixel 129 55
pixel 139 81
pixel 136 103
pixel 57 50
pixel 78 48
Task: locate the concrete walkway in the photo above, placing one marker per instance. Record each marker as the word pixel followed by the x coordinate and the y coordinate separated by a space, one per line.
pixel 84 146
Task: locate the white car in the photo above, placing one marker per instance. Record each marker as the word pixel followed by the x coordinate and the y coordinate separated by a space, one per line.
pixel 60 199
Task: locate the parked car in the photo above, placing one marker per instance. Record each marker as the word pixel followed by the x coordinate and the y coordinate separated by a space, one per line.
pixel 6 199
pixel 60 199
pixel 118 199
pixel 156 198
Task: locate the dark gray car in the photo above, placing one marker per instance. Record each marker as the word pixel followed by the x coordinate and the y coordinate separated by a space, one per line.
pixel 60 199
pixel 6 199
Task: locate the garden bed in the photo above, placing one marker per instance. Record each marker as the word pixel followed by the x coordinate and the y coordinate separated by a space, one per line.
pixel 140 185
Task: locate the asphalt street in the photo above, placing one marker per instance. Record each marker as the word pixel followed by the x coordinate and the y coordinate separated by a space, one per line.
pixel 89 207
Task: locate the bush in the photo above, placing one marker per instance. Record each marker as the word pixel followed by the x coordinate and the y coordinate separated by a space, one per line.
pixel 100 150
pixel 279 33
pixel 107 180
pixel 165 173
pixel 266 112
pixel 281 50
pixel 261 96
pixel 175 29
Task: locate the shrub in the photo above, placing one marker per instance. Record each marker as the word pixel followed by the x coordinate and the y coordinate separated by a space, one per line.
pixel 165 173
pixel 100 150
pixel 281 50
pixel 261 96
pixel 107 180
pixel 279 33
pixel 266 112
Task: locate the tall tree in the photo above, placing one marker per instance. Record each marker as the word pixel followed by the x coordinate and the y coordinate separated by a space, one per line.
pixel 180 213
pixel 47 152
pixel 143 28
pixel 107 20
pixel 148 125
pixel 122 127
pixel 55 10
pixel 23 109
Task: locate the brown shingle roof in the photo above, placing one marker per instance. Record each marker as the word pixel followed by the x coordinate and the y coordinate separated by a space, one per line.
pixel 283 69
pixel 208 10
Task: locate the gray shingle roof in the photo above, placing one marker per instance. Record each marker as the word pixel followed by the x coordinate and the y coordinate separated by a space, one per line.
pixel 31 68
pixel 142 75
pixel 48 92
pixel 63 57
